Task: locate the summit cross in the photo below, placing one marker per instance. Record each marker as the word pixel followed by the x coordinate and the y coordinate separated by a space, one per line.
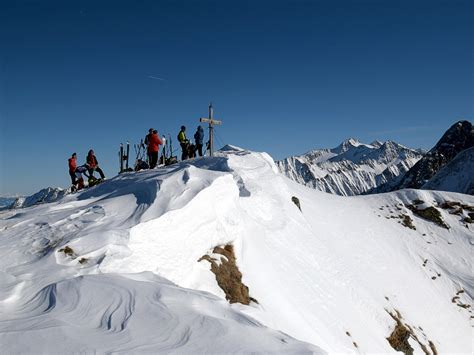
pixel 211 122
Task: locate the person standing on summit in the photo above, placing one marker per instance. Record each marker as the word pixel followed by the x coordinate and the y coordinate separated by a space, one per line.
pixel 72 162
pixel 93 165
pixel 184 142
pixel 147 142
pixel 153 148
pixel 198 138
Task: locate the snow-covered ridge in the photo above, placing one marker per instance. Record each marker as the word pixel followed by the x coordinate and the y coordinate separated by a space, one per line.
pixel 352 168
pixel 116 267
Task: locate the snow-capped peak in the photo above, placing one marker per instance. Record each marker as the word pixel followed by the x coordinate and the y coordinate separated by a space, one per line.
pixel 346 145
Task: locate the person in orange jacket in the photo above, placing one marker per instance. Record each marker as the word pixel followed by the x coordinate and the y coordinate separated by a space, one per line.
pixel 94 164
pixel 153 148
pixel 72 162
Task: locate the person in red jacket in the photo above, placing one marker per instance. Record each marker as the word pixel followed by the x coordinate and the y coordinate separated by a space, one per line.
pixel 72 162
pixel 94 164
pixel 153 148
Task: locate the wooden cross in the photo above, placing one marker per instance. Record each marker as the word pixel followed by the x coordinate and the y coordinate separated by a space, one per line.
pixel 211 122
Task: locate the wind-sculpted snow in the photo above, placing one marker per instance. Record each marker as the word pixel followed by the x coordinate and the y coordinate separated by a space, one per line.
pixel 115 268
pixel 133 313
pixel 53 300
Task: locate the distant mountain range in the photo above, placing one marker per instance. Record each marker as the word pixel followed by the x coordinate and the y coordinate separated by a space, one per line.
pixel 45 195
pixel 6 201
pixel 352 168
pixel 355 168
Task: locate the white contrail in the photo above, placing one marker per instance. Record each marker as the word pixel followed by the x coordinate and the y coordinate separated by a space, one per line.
pixel 154 77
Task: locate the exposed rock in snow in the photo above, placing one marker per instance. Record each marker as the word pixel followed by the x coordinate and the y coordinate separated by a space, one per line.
pixel 352 168
pixel 228 276
pixel 115 268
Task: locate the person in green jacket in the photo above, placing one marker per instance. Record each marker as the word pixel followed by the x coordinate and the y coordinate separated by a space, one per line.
pixel 184 142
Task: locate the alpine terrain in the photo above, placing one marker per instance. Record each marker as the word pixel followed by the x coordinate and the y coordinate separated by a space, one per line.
pixel 225 254
pixel 45 195
pixel 352 168
pixel 457 175
pixel 6 202
pixel 458 138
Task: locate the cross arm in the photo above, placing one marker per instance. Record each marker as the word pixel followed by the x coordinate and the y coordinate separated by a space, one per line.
pixel 211 121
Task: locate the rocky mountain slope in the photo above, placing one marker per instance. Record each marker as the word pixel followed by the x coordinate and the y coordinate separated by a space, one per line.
pixel 148 261
pixel 45 195
pixel 458 137
pixel 6 202
pixel 350 169
pixel 456 176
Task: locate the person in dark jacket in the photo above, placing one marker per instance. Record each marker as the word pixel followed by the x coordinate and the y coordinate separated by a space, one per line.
pixel 184 142
pixel 147 142
pixel 198 138
pixel 94 164
pixel 153 148
pixel 72 162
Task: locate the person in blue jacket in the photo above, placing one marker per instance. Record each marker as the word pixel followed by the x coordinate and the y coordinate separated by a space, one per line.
pixel 198 138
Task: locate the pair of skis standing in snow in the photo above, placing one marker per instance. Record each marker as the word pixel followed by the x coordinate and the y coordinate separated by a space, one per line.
pixel 75 172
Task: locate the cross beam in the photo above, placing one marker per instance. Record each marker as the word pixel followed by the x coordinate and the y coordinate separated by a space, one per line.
pixel 211 122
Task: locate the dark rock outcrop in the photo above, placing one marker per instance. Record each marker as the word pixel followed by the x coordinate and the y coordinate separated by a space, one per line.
pixel 457 138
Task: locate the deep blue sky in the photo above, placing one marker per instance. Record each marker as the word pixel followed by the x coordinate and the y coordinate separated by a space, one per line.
pixel 285 77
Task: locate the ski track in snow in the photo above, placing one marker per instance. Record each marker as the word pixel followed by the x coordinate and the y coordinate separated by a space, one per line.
pixel 337 266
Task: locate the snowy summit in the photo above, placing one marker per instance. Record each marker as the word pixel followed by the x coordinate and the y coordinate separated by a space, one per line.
pixel 226 254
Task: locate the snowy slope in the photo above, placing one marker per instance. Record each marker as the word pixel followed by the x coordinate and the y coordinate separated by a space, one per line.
pixel 456 176
pixel 350 169
pixel 327 275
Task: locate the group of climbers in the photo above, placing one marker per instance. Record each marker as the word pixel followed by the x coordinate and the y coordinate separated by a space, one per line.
pixel 152 142
pixel 189 150
pixel 91 165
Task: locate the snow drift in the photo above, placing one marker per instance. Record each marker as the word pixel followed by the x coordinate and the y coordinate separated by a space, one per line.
pixel 119 267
